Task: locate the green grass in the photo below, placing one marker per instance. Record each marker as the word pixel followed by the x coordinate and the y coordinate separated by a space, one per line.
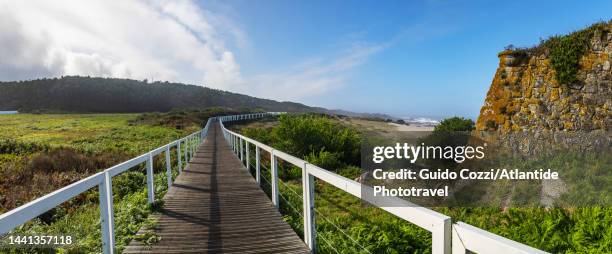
pixel 88 132
pixel 347 225
pixel 27 136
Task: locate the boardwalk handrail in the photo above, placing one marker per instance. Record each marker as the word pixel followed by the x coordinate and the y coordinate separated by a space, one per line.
pixel 463 236
pixel 467 237
pixel 26 212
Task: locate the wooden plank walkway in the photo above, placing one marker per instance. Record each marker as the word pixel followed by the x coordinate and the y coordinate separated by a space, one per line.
pixel 215 206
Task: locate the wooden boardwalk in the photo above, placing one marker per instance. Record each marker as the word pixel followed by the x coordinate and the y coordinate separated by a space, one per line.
pixel 215 206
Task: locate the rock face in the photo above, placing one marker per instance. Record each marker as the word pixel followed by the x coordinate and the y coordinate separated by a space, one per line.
pixel 525 95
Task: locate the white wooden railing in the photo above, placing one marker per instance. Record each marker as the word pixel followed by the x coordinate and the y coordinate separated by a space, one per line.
pixel 463 236
pixel 103 180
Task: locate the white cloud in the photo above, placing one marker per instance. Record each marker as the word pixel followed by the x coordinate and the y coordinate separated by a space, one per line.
pixel 174 40
pixel 159 40
pixel 314 76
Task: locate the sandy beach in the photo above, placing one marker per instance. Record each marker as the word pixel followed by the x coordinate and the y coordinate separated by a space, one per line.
pixel 403 127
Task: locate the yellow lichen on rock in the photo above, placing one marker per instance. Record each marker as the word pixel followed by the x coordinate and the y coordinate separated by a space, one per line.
pixel 554 94
pixel 526 95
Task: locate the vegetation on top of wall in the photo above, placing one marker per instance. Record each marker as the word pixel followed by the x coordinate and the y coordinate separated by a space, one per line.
pixel 564 51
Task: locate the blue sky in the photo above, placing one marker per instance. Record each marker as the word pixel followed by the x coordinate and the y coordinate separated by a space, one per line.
pixel 436 58
pixel 405 58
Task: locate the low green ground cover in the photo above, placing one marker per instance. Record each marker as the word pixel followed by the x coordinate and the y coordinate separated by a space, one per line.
pixel 347 225
pixel 42 153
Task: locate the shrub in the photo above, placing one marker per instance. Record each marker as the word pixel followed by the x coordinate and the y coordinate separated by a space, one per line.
pixel 566 51
pixel 128 182
pixel 68 159
pixel 11 146
pixel 325 159
pixel 455 124
pixel 302 135
pixel 350 171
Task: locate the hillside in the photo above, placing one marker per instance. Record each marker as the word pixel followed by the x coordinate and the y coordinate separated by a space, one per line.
pixel 111 95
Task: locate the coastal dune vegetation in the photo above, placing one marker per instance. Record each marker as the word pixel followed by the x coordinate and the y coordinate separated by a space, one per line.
pixel 346 225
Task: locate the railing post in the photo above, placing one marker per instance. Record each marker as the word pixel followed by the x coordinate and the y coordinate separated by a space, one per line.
pixel 107 217
pixel 274 178
pixel 236 147
pixel 168 167
pixel 178 156
pixel 196 143
pixel 186 153
pixel 150 188
pixel 190 148
pixel 458 246
pixel 257 165
pixel 241 150
pixel 248 165
pixel 441 237
pixel 308 202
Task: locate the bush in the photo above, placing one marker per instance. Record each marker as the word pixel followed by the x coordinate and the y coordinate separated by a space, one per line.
pixel 303 135
pixel 455 124
pixel 68 159
pixel 325 159
pixel 350 172
pixel 11 146
pixel 128 182
pixel 566 51
pixel 319 139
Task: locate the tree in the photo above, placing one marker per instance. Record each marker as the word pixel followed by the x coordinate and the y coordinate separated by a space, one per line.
pixel 455 124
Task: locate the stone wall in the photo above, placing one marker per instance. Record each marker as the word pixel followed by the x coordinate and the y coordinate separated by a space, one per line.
pixel 525 94
pixel 526 97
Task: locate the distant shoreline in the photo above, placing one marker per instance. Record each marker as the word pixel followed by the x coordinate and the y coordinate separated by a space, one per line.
pixel 403 127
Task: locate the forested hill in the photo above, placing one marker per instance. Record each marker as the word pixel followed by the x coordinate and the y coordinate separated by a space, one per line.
pixel 112 95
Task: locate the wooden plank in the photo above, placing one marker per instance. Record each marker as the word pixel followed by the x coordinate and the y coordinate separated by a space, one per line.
pixel 215 206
